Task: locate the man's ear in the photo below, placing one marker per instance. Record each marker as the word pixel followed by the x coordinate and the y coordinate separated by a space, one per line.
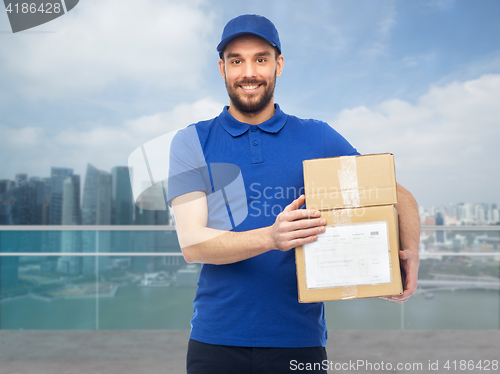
pixel 222 68
pixel 280 62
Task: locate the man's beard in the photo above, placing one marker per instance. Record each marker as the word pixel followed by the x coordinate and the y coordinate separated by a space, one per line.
pixel 257 102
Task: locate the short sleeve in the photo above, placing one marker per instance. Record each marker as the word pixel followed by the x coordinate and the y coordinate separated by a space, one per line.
pixel 335 144
pixel 188 170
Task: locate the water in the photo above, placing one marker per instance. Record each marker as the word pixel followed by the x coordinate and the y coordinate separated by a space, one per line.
pixel 136 307
pixel 133 307
pixel 453 310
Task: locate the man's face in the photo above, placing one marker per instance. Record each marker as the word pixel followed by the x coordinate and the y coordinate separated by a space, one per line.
pixel 250 69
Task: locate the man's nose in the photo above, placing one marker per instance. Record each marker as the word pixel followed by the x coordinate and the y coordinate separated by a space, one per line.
pixel 250 70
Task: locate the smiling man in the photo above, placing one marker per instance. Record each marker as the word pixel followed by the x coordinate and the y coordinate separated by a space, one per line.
pixel 247 318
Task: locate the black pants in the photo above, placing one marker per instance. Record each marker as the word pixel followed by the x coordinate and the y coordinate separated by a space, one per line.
pixel 205 358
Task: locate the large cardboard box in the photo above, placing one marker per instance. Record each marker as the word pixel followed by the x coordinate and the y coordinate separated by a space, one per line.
pixel 358 255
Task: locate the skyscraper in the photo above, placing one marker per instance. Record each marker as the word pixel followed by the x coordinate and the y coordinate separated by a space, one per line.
pixel 71 212
pixel 440 235
pixel 71 241
pixel 479 213
pixel 122 212
pixel 57 176
pixel 96 202
pixel 96 210
pixel 40 190
pixel 46 201
pixel 5 186
pixel 5 203
pixel 21 179
pixel 23 204
pixel 121 194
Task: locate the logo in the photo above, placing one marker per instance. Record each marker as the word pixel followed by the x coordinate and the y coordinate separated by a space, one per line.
pixel 174 163
pixel 26 14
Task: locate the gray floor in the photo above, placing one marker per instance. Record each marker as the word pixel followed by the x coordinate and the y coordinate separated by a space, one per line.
pixel 155 352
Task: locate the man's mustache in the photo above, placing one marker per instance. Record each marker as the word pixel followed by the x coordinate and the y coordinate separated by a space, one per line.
pixel 250 83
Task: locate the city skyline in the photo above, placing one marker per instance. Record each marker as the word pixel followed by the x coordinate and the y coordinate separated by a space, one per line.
pixel 106 198
pixel 442 204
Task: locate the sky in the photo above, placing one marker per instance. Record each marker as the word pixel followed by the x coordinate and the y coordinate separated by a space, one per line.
pixel 419 79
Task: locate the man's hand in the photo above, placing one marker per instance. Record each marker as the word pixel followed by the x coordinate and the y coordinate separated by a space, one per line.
pixel 294 226
pixel 409 266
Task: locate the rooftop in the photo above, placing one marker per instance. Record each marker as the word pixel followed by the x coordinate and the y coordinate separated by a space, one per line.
pixel 163 351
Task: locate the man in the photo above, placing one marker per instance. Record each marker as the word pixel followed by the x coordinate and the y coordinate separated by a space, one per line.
pixel 247 318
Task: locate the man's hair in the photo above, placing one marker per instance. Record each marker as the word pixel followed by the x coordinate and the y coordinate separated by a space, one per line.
pixel 276 54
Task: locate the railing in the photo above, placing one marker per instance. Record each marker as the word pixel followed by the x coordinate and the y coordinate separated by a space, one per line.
pixel 95 285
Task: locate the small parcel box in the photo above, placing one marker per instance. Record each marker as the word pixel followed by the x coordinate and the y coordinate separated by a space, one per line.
pixel 358 254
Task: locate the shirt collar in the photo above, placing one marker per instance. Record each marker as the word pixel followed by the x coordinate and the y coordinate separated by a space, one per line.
pixel 237 128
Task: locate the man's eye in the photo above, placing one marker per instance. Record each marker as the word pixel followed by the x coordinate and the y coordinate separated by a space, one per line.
pixel 236 62
pixel 261 60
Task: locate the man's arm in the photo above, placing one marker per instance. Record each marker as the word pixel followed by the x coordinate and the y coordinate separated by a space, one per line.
pixel 293 227
pixel 409 237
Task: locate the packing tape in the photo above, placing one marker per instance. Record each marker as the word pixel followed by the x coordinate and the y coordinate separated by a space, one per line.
pixel 349 292
pixel 341 217
pixel 348 180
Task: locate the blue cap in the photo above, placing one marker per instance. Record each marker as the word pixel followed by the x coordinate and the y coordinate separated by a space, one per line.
pixel 249 24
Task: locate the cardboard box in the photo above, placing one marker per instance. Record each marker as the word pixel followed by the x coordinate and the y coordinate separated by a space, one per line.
pixel 351 181
pixel 359 256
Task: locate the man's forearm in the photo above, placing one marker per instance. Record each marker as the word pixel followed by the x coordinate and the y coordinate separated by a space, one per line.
pixel 202 244
pixel 292 227
pixel 226 247
pixel 409 221
pixel 409 237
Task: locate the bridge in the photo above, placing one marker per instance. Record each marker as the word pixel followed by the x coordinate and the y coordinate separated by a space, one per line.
pixel 486 283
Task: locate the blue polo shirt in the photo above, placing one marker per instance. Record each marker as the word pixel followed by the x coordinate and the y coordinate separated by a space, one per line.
pixel 252 302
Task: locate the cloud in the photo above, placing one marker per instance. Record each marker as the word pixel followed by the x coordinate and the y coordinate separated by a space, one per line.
pixel 376 43
pixel 412 61
pixel 437 5
pixel 33 151
pixel 387 23
pixel 112 42
pixel 23 138
pixel 23 150
pixel 445 144
pixel 182 115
